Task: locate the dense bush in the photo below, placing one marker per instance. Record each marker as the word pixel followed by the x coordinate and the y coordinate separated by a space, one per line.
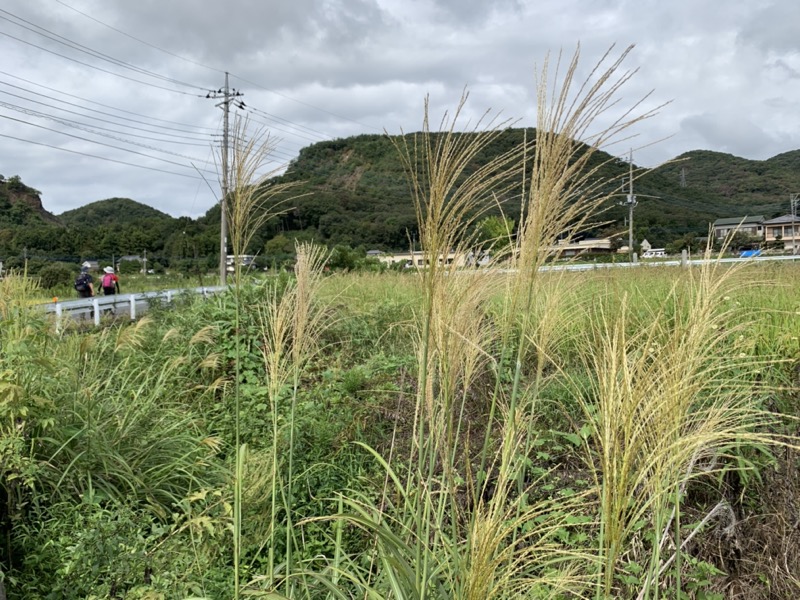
pixel 57 274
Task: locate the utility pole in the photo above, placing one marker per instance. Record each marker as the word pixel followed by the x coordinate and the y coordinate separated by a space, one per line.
pixel 630 202
pixel 227 96
pixel 794 199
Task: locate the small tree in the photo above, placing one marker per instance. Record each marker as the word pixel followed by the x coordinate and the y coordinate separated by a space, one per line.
pixel 56 274
pixel 129 267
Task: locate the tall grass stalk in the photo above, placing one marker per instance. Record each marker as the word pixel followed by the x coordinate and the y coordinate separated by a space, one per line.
pixel 292 322
pixel 563 191
pixel 440 530
pixel 253 201
pixel 669 394
pixel 453 329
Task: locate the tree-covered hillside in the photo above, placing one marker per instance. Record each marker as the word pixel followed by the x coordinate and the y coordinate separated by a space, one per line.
pixel 114 211
pixel 20 205
pixel 354 192
pixel 745 187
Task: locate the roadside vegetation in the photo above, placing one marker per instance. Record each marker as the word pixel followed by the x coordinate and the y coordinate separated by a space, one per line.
pixel 435 433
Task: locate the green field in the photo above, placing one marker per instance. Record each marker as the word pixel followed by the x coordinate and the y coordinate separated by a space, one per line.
pixel 436 434
pixel 391 443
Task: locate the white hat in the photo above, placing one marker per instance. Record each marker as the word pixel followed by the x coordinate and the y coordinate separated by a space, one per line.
pixel 86 264
pixel 108 270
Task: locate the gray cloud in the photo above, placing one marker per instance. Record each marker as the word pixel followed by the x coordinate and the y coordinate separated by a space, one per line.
pixel 731 133
pixel 319 69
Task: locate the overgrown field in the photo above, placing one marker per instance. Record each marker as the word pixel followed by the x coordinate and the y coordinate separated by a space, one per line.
pixel 447 433
pixel 639 413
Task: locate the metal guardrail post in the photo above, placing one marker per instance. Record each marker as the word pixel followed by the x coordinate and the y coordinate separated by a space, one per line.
pixel 96 307
pixel 133 307
pixel 58 317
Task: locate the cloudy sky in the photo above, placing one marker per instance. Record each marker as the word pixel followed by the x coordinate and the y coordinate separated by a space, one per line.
pixel 107 98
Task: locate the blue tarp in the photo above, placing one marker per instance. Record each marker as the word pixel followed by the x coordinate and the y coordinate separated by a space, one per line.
pixel 749 253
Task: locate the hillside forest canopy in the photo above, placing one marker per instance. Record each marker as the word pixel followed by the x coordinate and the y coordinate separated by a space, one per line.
pixel 353 193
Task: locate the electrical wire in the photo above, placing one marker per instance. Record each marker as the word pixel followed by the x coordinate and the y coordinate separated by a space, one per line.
pixel 96 142
pixel 96 129
pixel 201 136
pixel 89 129
pixel 141 41
pixel 122 110
pixel 85 64
pixel 60 39
pixel 121 162
pixel 205 66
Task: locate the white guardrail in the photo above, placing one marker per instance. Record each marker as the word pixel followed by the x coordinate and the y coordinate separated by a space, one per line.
pixel 118 304
pixel 135 304
pixel 685 262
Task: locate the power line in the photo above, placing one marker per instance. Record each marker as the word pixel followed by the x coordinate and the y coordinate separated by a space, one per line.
pixel 195 138
pixel 90 51
pixel 322 136
pixel 309 105
pixel 205 66
pixel 94 128
pixel 89 129
pixel 122 110
pixel 136 39
pixel 121 162
pixel 96 142
pixel 96 67
pixel 284 130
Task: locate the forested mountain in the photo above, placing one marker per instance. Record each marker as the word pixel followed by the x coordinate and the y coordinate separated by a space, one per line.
pixel 741 186
pixel 354 192
pixel 115 211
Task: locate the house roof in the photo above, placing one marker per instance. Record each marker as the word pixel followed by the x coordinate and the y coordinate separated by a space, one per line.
pixel 783 220
pixel 739 221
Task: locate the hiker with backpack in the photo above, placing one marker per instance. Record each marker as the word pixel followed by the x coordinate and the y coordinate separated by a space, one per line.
pixel 110 282
pixel 84 284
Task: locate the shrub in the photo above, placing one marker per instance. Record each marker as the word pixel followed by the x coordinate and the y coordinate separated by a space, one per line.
pixel 57 274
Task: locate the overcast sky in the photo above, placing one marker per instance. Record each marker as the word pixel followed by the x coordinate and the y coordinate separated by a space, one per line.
pixel 92 91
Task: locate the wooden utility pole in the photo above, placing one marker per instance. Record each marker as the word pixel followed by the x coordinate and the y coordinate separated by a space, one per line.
pixel 227 96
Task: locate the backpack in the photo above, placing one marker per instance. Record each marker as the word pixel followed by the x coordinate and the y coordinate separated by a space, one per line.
pixel 108 280
pixel 82 282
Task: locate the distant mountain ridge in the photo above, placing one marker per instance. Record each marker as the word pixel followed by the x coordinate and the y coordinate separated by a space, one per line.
pixel 354 191
pixel 113 211
pixel 745 186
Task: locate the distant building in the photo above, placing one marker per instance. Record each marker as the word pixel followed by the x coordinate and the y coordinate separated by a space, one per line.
pixel 752 226
pixel 587 246
pixel 420 259
pixel 786 229
pixel 244 260
pixel 130 257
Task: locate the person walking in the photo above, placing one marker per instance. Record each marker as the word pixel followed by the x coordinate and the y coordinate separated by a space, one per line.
pixel 110 282
pixel 84 283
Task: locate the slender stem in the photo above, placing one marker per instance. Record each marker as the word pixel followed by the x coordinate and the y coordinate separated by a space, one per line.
pixel 239 467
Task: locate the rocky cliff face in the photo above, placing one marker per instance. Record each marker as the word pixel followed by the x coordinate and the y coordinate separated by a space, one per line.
pixel 20 203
